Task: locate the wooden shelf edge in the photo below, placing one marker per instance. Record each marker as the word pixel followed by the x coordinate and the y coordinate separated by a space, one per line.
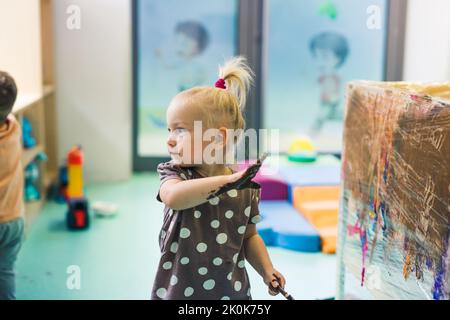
pixel 29 155
pixel 24 103
pixel 49 178
pixel 48 90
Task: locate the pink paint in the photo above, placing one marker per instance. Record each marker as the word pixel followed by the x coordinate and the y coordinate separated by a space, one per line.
pixel 352 230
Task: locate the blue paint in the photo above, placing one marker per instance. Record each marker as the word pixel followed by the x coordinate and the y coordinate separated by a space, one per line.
pixel 385 172
pixel 438 287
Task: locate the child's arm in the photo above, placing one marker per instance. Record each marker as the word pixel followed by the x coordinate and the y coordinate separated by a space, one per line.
pixel 257 255
pixel 183 194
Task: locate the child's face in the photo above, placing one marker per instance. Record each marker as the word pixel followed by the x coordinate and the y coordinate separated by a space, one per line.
pixel 183 122
pixel 326 59
pixel 185 46
pixel 180 142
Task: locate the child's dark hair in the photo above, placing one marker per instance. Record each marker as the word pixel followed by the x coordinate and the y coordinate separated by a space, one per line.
pixel 195 31
pixel 8 94
pixel 331 41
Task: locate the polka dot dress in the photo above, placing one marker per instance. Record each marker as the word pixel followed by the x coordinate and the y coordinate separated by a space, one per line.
pixel 202 253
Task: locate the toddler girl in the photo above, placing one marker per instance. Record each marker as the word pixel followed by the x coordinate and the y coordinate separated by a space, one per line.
pixel 207 237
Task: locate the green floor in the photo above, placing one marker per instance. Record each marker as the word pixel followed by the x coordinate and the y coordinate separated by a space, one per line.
pixel 118 257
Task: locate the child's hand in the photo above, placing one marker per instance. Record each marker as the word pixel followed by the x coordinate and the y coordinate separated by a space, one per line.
pixel 236 176
pixel 243 179
pixel 273 280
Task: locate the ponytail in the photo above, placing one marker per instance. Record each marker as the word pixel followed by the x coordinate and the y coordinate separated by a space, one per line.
pixel 238 77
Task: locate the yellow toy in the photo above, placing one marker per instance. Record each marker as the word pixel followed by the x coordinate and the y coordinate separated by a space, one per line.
pixel 75 173
pixel 302 150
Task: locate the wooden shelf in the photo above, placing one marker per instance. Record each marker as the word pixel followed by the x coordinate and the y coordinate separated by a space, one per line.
pixel 32 209
pixel 29 155
pixel 48 90
pixel 38 105
pixel 26 101
pixel 49 178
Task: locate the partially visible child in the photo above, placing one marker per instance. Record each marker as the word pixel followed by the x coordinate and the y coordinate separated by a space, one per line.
pixel 11 187
pixel 207 237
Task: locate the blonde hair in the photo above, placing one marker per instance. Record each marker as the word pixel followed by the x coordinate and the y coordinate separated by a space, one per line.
pixel 224 107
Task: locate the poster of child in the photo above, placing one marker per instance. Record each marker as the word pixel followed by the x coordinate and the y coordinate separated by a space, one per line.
pixel 179 45
pixel 314 49
pixel 330 51
pixel 191 40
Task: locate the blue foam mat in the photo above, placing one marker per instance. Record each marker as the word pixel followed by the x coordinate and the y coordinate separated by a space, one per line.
pixel 284 227
pixel 320 175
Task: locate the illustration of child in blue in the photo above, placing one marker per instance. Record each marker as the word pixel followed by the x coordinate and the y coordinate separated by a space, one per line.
pixel 330 50
pixel 191 40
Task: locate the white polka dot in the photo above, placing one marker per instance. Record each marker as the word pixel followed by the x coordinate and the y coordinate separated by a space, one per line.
pixel 241 229
pixel 184 260
pixel 225 298
pixel 229 275
pixel 229 214
pixel 248 292
pixel 214 201
pixel 197 214
pixel 209 284
pixel 247 211
pixel 232 193
pixel 185 233
pixel 161 293
pixel 182 175
pixel 241 264
pixel 163 234
pixel 189 173
pixel 237 285
pixel 201 247
pixel 188 292
pixel 174 247
pixel 202 271
pixel 235 257
pixel 215 224
pixel 167 265
pixel 173 280
pixel 221 238
pixel 217 261
pixel 256 219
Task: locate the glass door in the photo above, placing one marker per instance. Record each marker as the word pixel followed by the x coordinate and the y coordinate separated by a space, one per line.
pixel 178 44
pixel 314 49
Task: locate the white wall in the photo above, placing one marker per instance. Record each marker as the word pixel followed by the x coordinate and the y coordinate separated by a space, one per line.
pixel 427 41
pixel 93 83
pixel 20 44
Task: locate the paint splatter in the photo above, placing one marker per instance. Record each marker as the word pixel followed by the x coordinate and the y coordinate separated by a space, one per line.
pixel 352 230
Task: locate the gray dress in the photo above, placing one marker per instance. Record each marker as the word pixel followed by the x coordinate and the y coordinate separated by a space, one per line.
pixel 202 253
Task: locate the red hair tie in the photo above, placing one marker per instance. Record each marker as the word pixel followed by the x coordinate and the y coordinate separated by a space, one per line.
pixel 220 84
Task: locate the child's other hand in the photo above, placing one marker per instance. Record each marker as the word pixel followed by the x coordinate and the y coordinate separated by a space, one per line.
pixel 273 280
